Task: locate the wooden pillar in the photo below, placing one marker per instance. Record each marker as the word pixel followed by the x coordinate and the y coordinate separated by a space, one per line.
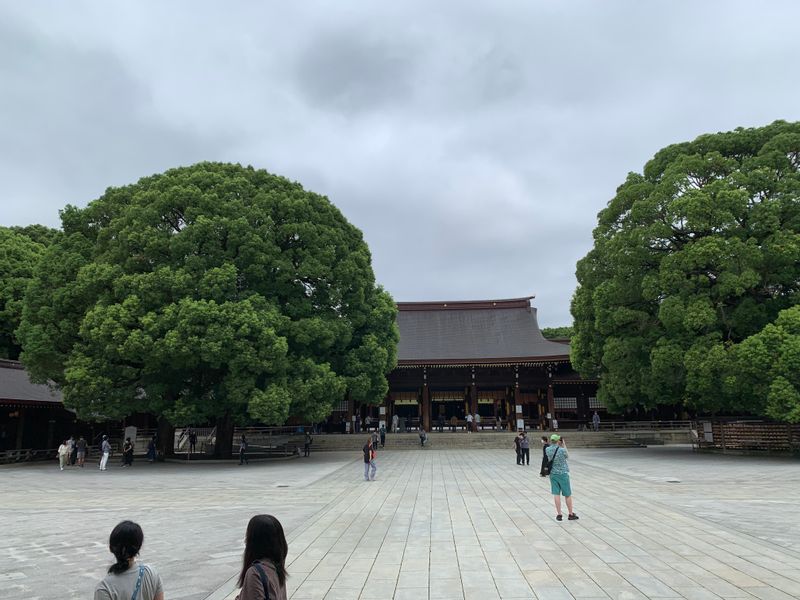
pixel 426 401
pixel 20 427
pixel 473 407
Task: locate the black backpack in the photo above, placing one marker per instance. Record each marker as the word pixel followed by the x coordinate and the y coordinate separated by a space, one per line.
pixel 549 465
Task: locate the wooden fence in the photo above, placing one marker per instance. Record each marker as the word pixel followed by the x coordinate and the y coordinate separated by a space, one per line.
pixel 748 436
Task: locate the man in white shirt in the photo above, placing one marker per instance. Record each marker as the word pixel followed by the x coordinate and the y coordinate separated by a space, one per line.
pixel 469 422
pixel 477 421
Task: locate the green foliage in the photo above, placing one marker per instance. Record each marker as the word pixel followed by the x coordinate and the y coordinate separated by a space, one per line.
pixel 690 259
pixel 20 251
pixel 208 291
pixel 557 332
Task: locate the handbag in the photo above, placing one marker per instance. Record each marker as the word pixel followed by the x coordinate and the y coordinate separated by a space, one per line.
pixel 549 466
pixel 263 577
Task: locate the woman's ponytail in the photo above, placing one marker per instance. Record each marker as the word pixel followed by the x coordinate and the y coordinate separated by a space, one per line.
pixel 124 542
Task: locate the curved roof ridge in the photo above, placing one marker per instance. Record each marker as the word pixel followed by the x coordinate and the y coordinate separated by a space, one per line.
pixel 524 302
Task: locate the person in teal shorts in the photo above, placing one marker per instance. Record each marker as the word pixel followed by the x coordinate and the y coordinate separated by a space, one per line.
pixel 557 454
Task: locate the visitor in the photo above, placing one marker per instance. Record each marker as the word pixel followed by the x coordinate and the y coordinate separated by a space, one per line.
pixel 518 447
pixel 477 421
pixel 395 423
pixel 545 444
pixel 63 454
pixel 374 437
pixel 127 453
pixel 73 451
pixel 596 421
pixel 423 436
pixel 557 456
pixel 369 460
pixel 80 450
pixel 453 423
pixel 152 453
pixel 469 422
pixel 440 422
pixel 383 435
pixel 307 441
pixel 105 452
pixel 525 450
pixel 192 441
pixel 263 574
pixel 243 451
pixel 125 578
pixel 554 424
pixel 368 422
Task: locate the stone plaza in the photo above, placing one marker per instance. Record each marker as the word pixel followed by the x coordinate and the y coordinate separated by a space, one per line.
pixel 660 522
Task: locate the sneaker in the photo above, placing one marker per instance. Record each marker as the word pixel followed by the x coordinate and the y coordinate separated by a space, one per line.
pixel 559 518
pixel 573 517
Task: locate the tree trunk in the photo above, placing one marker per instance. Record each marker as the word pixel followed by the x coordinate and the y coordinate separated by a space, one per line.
pixel 224 446
pixel 166 438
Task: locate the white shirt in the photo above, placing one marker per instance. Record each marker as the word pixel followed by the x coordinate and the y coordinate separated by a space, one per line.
pixel 469 418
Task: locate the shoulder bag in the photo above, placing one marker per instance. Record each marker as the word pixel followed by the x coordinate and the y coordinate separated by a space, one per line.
pixel 549 466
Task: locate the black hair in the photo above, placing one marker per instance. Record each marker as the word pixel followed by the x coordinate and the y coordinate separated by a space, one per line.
pixel 265 539
pixel 124 542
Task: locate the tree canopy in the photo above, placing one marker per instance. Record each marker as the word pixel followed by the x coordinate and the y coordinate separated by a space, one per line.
pixel 552 333
pixel 691 258
pixel 20 251
pixel 209 291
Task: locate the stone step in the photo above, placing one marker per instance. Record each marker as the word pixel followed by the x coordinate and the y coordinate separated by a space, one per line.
pixel 488 440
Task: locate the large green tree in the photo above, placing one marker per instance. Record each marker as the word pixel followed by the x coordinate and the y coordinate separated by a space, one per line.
pixel 20 251
pixel 690 258
pixel 212 291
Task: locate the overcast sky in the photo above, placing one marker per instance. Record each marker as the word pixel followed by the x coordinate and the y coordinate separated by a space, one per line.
pixel 472 142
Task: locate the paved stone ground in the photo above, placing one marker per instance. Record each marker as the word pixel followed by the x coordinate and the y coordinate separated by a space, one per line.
pixel 655 523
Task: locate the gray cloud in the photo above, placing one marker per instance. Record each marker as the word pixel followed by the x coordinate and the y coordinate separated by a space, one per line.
pixel 472 142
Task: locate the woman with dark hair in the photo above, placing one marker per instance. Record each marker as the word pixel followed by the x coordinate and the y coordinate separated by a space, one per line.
pixel 126 579
pixel 263 575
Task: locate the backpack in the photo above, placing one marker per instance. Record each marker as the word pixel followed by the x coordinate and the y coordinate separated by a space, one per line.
pixel 547 467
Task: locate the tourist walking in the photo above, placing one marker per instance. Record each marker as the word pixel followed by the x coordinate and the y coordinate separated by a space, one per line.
pixel 126 578
pixel 374 437
pixel 152 453
pixel 383 435
pixel 395 423
pixel 423 436
pixel 368 422
pixel 596 421
pixel 369 460
pixel 525 450
pixel 105 452
pixel 307 441
pixel 545 444
pixel 557 456
pixel 63 454
pixel 73 451
pixel 440 422
pixel 192 441
pixel 477 421
pixel 263 574
pixel 243 451
pixel 127 453
pixel 80 449
pixel 469 422
pixel 453 423
pixel 554 424
pixel 518 447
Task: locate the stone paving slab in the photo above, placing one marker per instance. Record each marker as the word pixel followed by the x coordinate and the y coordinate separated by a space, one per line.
pixel 655 523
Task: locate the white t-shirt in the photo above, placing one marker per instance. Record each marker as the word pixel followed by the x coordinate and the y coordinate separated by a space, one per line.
pixel 469 418
pixel 121 586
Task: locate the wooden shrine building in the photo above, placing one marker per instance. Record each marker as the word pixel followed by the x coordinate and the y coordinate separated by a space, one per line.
pixel 487 357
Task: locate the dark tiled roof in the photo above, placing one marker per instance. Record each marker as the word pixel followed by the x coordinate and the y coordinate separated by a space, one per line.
pixel 15 386
pixel 475 331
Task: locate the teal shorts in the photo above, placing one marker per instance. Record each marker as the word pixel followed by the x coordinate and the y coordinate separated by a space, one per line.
pixel 559 484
